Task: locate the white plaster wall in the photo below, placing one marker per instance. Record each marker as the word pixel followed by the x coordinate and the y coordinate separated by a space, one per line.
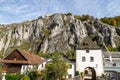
pixel 26 68
pixel 3 76
pixel 71 71
pixel 42 66
pixel 97 64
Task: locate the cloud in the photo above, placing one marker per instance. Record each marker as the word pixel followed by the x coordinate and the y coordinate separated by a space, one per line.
pixel 20 10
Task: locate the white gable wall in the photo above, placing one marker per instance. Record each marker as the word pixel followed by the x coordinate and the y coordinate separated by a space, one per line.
pixel 71 71
pixel 97 64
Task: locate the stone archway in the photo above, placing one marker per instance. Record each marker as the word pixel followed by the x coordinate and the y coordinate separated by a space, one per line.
pixel 89 73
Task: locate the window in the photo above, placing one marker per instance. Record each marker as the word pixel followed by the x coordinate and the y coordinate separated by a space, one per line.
pixel 42 65
pixel 91 59
pixel 83 59
pixel 86 71
pixel 23 67
pixel 87 51
pixel 69 76
pixel 114 64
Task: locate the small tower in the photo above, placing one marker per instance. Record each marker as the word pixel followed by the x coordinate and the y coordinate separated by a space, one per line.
pixel 89 59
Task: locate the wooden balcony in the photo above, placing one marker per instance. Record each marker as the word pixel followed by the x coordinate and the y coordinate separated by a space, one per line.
pixel 13 70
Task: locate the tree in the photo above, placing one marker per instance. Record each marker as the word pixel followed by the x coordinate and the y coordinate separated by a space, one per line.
pixel 114 23
pixel 70 54
pixel 57 68
pixel 69 14
pixel 33 75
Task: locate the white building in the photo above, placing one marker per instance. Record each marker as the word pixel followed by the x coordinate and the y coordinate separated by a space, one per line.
pixel 89 59
pixel 22 61
pixel 71 68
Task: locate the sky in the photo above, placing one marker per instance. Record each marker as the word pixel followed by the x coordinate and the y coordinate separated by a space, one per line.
pixel 15 11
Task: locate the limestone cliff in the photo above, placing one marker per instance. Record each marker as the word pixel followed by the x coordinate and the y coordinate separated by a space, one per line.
pixel 55 32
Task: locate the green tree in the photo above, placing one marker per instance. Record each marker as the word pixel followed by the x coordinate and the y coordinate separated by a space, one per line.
pixel 69 14
pixel 33 75
pixel 44 55
pixel 57 68
pixel 70 54
pixel 78 17
pixel 114 23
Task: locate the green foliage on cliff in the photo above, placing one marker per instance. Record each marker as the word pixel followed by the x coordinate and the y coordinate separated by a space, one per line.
pixel 84 17
pixel 115 21
pixel 110 48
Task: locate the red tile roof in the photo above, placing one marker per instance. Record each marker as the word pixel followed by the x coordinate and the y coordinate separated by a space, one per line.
pixel 31 58
pixel 14 61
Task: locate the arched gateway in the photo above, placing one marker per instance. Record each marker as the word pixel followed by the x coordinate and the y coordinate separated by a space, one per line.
pixel 89 73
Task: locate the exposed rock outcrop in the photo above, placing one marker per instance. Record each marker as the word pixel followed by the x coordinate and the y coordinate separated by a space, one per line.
pixel 56 32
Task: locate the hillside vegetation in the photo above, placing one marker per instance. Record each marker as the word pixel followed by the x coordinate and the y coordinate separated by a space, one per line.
pixel 114 21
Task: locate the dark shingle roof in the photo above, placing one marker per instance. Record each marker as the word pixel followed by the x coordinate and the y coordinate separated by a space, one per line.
pixel 88 44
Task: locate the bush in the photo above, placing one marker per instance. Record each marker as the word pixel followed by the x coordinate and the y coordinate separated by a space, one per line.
pixel 77 73
pixel 33 75
pixel 69 14
pixel 12 76
pixel 25 77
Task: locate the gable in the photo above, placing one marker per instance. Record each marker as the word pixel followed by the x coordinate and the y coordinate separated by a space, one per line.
pixel 15 55
pixel 22 57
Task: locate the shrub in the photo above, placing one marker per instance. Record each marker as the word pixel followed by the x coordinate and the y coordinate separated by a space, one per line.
pixel 33 75
pixel 77 73
pixel 25 77
pixel 69 14
pixel 12 76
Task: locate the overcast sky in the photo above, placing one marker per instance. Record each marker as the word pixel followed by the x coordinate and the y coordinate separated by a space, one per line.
pixel 12 11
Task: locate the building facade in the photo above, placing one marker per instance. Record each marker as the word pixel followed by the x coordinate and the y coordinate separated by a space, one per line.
pixel 22 61
pixel 112 65
pixel 89 58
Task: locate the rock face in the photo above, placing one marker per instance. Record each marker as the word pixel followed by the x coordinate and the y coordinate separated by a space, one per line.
pixel 55 33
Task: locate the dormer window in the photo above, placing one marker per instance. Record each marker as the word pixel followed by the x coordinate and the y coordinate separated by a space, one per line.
pixel 85 44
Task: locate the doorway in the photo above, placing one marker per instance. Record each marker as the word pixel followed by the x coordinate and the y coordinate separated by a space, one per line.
pixel 89 73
